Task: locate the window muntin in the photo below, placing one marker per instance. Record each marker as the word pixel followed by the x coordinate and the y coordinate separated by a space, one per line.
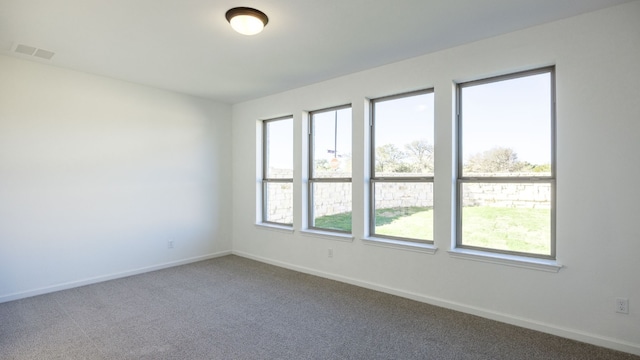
pixel 402 167
pixel 330 169
pixel 277 167
pixel 506 164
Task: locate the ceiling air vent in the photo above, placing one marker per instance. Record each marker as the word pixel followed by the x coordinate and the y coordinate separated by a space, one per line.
pixel 32 51
pixel 43 54
pixel 24 49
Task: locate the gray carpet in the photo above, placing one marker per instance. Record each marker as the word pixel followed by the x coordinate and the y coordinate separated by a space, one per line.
pixel 235 308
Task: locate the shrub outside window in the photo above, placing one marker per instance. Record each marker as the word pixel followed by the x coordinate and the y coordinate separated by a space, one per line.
pixel 506 164
pixel 402 167
pixel 330 169
pixel 277 171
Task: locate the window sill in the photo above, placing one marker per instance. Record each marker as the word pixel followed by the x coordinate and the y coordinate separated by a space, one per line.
pixel 509 260
pixel 401 245
pixel 275 227
pixel 327 235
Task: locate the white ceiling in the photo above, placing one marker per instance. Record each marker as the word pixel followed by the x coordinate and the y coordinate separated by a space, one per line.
pixel 188 46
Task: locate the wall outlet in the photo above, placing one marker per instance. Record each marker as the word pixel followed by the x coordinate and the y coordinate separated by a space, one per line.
pixel 330 253
pixel 170 244
pixel 622 305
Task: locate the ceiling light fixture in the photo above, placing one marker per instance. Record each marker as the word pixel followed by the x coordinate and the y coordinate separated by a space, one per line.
pixel 247 21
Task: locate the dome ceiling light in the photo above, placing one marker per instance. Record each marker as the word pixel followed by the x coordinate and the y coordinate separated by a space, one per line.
pixel 247 21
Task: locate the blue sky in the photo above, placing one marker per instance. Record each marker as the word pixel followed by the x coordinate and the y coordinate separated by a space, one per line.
pixel 513 113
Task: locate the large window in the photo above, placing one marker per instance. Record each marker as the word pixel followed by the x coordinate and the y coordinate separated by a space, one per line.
pixel 506 164
pixel 277 171
pixel 402 167
pixel 330 169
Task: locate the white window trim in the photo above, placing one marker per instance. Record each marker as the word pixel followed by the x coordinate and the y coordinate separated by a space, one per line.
pixel 265 180
pixel 396 242
pixel 497 256
pixel 400 245
pixel 311 180
pixel 506 259
pixel 275 227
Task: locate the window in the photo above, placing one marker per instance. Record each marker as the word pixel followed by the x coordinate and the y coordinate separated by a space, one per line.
pixel 277 171
pixel 402 167
pixel 506 164
pixel 330 169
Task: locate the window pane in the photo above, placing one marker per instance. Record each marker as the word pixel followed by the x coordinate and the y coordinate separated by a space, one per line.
pixel 403 136
pixel 332 206
pixel 404 209
pixel 279 202
pixel 332 143
pixel 506 127
pixel 279 149
pixel 507 216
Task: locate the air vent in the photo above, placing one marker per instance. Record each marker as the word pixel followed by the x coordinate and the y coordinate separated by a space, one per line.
pixel 24 49
pixel 43 54
pixel 33 51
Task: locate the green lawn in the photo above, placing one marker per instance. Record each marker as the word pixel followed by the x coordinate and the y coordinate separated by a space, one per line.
pixel 340 221
pixel 403 222
pixel 412 222
pixel 522 230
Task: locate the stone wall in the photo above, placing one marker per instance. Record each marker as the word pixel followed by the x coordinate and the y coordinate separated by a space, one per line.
pixel 280 202
pixel 336 198
pixel 331 198
pixel 528 195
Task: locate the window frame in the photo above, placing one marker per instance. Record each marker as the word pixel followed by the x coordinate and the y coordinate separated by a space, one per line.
pixel 266 180
pixel 373 179
pixel 313 180
pixel 551 179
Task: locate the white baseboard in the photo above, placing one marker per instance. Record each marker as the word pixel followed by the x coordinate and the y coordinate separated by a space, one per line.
pixel 568 333
pixel 97 279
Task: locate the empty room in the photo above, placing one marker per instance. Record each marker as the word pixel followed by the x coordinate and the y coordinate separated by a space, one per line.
pixel 335 179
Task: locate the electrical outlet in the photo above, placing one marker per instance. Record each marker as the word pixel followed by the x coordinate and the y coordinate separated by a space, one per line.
pixel 330 253
pixel 622 305
pixel 170 244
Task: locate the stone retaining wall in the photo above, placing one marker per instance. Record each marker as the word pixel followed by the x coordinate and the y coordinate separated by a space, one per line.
pixel 335 198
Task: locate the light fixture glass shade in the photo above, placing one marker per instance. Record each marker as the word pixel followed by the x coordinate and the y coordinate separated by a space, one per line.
pixel 247 21
pixel 246 25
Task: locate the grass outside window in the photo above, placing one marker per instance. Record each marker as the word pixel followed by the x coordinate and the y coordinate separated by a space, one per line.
pixel 518 230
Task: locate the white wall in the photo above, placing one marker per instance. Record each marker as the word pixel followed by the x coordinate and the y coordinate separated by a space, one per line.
pixel 97 175
pixel 597 58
